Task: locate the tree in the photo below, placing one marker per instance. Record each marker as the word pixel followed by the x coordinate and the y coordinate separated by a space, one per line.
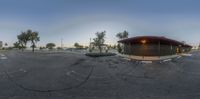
pixel 33 37
pixel 199 47
pixel 119 48
pixel 121 35
pixel 23 38
pixel 27 36
pixel 6 44
pixel 125 34
pixel 99 40
pixel 50 45
pixel 77 45
pixel 17 45
pixel 114 46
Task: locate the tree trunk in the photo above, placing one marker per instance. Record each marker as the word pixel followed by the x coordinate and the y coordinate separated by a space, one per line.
pixel 33 47
pixel 100 49
pixel 33 50
pixel 22 47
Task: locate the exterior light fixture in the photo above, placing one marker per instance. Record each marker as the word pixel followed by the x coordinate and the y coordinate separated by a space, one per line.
pixel 143 41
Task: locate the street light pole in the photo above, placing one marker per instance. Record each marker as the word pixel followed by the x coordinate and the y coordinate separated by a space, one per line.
pixel 61 43
pixel 90 45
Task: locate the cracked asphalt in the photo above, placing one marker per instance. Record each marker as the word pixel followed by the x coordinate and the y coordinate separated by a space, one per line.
pixel 64 75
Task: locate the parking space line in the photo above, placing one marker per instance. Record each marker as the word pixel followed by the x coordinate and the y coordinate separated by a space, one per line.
pixel 178 57
pixel 3 57
pixel 167 60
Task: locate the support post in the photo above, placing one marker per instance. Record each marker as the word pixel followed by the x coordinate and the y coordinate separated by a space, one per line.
pixel 159 48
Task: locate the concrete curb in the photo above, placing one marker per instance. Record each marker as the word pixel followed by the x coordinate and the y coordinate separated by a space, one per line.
pixel 148 58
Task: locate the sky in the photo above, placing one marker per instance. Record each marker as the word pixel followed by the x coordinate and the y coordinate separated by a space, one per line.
pixel 79 20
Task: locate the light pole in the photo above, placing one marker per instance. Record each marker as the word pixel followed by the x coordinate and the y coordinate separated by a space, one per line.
pixel 61 43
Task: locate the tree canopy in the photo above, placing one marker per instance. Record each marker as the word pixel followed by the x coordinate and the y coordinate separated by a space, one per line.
pixel 50 45
pixel 25 37
pixel 33 38
pixel 77 45
pixel 122 35
pixel 99 40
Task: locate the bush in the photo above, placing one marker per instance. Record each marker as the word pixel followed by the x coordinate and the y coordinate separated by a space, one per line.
pixel 99 54
pixel 119 48
pixel 59 48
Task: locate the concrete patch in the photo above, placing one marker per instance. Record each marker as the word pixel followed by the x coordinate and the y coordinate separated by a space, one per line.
pixel 146 62
pixel 186 54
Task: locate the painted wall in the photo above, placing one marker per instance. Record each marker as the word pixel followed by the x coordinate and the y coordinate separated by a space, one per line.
pixel 153 49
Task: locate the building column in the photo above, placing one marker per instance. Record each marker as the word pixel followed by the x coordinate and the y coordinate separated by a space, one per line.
pixel 159 47
pixel 171 48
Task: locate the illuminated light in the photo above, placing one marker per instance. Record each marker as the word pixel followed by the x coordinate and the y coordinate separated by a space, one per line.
pixel 143 41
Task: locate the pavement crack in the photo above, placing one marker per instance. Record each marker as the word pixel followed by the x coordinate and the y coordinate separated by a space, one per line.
pixel 50 90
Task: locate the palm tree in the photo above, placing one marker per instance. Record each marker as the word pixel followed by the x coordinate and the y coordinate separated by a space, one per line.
pixel 99 40
pixel 33 36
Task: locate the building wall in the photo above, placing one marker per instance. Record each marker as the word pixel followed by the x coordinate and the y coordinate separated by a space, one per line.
pixel 152 49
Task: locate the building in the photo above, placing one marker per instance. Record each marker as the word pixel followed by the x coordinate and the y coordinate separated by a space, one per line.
pixel 153 46
pixel 1 44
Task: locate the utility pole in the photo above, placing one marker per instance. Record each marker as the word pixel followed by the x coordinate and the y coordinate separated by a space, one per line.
pixel 90 43
pixel 61 43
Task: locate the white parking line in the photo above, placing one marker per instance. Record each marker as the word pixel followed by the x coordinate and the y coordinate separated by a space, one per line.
pixel 167 60
pixel 3 57
pixel 179 57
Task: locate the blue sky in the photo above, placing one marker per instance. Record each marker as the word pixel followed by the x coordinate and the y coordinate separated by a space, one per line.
pixel 78 20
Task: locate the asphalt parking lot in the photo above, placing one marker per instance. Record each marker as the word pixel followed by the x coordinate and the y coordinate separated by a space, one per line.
pixel 65 75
